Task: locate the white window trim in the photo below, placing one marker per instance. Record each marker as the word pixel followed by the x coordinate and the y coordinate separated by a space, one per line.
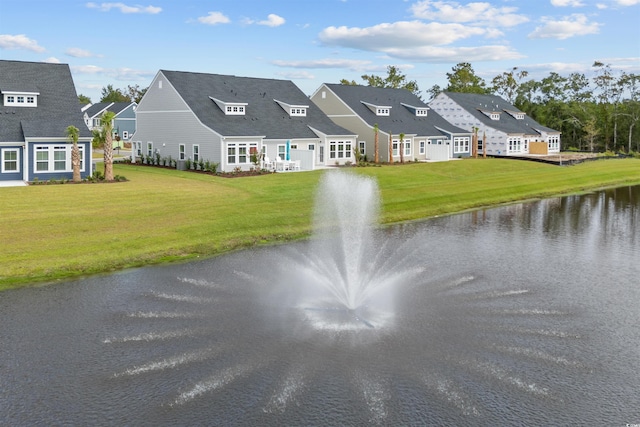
pixel 11 98
pixel 182 152
pixel 461 144
pixel 194 148
pixel 4 150
pixel 51 148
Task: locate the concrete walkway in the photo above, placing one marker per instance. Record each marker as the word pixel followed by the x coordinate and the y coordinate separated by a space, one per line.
pixel 13 184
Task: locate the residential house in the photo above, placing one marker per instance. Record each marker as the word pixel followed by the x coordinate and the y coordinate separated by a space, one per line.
pixel 427 136
pixel 223 119
pixel 124 122
pixel 503 130
pixel 39 102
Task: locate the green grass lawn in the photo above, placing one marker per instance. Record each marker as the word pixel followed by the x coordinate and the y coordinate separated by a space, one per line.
pixel 52 232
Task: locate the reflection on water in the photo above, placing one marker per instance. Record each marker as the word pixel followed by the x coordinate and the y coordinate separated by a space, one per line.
pixel 526 314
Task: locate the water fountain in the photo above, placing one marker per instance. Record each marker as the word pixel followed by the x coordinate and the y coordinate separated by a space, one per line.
pixel 347 278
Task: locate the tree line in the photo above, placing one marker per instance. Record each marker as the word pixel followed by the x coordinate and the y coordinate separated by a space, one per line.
pixel 594 114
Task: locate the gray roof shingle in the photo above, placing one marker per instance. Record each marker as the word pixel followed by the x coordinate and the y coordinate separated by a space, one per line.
pixel 263 116
pixel 401 119
pixel 58 105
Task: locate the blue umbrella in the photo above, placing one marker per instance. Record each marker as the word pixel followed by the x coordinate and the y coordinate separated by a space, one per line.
pixel 288 148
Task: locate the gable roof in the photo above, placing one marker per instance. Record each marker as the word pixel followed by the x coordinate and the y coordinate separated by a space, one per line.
pixel 98 108
pixel 264 114
pixel 478 105
pixel 58 105
pixel 401 103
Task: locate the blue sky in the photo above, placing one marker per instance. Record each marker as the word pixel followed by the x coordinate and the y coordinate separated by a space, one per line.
pixel 315 41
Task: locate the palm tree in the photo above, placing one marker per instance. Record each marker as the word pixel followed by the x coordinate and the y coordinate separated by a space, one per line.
pixel 107 140
pixel 390 147
pixel 402 148
pixel 376 145
pixel 73 134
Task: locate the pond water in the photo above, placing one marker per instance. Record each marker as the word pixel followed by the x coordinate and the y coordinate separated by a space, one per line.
pixel 521 315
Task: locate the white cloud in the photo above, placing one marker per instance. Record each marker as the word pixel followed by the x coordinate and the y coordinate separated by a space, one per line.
pixel 78 53
pixel 564 3
pixel 299 75
pixel 19 42
pixel 402 34
pixel 352 64
pixel 627 2
pixel 456 54
pixel 475 13
pixel 214 18
pixel 106 7
pixel 272 20
pixel 52 60
pixel 87 69
pixel 570 26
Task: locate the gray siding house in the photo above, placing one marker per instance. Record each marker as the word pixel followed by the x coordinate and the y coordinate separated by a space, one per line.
pixel 427 136
pixel 124 123
pixel 503 130
pixel 39 102
pixel 223 119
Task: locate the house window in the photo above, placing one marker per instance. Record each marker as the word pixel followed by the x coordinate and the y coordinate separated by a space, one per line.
pixel 149 149
pixel 97 123
pixel 407 147
pixel 42 159
pixel 382 111
pixel 10 160
pixel 422 112
pixel 139 148
pixel 461 144
pixel 239 153
pixel 480 144
pixel 181 150
pixel 301 112
pixel 21 99
pixel 231 153
pixel 394 147
pixel 422 147
pixel 56 158
pixel 196 153
pixel 242 153
pixel 495 116
pixel 59 158
pixel 362 147
pixel 237 110
pixel 282 152
pixel 515 145
pixel 340 150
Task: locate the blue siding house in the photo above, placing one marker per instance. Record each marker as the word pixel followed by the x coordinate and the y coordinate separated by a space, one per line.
pixel 124 123
pixel 39 101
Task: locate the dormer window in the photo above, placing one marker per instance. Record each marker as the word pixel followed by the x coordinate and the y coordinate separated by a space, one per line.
pixel 234 109
pixel 417 111
pixel 495 116
pixel 518 115
pixel 294 110
pixel 379 110
pixel 20 99
pixel 231 108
